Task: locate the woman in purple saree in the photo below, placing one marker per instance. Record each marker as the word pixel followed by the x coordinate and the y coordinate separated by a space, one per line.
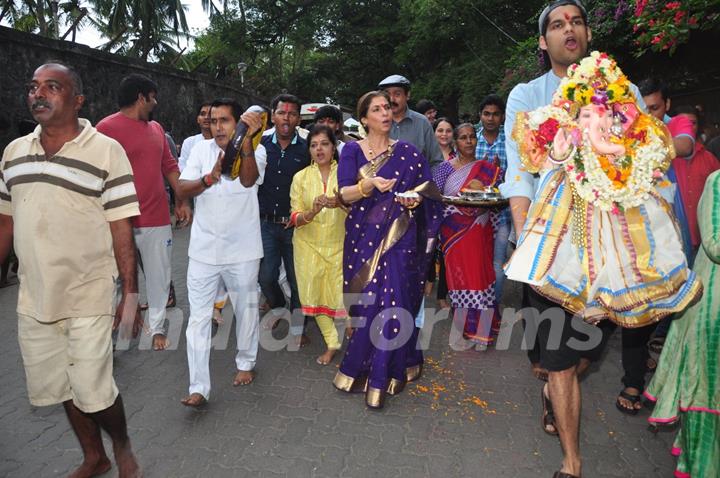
pixel 387 247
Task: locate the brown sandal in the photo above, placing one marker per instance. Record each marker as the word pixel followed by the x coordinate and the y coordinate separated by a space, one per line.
pixel 548 415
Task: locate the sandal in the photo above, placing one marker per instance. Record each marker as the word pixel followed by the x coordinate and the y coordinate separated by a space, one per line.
pixel 540 373
pixel 656 345
pixel 562 474
pixel 633 399
pixel 651 364
pixel 548 416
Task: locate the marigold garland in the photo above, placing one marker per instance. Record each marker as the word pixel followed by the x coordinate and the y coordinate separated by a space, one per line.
pixel 611 184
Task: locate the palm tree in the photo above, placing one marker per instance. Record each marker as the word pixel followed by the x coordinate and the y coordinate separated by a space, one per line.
pixel 141 27
pixel 44 17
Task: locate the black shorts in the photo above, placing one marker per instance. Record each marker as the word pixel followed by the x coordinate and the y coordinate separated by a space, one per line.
pixel 558 339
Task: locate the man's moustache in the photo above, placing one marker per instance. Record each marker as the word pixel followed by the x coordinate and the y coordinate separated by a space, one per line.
pixel 393 104
pixel 40 103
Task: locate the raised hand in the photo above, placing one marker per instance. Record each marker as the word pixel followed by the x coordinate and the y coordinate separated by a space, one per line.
pixel 217 169
pixel 253 121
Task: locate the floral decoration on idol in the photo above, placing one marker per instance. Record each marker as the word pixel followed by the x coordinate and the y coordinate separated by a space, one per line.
pixel 612 153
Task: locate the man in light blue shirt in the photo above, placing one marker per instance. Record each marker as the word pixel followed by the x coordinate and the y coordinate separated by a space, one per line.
pixel 564 38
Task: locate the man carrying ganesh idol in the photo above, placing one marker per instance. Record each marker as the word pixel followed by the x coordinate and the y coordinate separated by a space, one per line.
pixel 564 37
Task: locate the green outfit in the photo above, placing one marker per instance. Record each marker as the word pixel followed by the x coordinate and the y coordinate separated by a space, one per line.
pixel 687 382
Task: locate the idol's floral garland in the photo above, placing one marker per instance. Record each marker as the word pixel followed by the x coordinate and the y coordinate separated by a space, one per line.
pixel 611 184
pixel 633 178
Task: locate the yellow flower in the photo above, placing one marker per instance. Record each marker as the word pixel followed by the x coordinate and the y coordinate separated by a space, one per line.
pixel 569 91
pixel 584 94
pixel 616 92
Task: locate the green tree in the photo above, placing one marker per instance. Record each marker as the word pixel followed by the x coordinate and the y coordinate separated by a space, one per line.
pixel 43 17
pixel 139 28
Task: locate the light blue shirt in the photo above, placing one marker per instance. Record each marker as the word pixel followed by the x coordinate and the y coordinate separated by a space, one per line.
pixel 528 97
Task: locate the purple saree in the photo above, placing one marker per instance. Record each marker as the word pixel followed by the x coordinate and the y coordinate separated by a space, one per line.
pixel 386 253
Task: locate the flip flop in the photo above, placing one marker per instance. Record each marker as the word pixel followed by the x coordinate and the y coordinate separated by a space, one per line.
pixel 656 345
pixel 633 399
pixel 540 373
pixel 548 415
pixel 562 474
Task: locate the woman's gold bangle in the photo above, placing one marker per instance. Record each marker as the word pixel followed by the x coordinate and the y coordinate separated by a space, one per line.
pixel 362 193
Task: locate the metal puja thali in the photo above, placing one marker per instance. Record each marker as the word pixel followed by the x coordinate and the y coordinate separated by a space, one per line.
pixel 480 199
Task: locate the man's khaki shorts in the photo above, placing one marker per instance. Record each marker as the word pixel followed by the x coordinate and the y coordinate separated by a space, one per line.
pixel 70 359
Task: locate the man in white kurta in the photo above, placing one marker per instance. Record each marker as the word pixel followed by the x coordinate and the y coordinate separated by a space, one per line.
pixel 225 243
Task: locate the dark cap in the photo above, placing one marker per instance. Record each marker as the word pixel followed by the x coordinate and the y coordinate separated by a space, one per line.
pixel 394 80
pixel 542 21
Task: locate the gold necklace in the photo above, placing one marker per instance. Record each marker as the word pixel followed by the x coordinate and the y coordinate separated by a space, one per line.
pixel 371 152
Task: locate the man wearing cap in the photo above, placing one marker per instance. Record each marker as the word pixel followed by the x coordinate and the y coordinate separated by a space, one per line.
pixel 409 125
pixel 564 38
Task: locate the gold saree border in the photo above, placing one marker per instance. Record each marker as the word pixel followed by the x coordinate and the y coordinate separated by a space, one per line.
pixel 375 397
pixel 413 373
pixel 395 386
pixel 371 167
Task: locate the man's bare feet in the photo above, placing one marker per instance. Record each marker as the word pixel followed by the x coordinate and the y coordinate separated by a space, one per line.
pixel 327 357
pixel 194 400
pixel 127 464
pixel 92 467
pixel 301 340
pixel 243 377
pixel 160 342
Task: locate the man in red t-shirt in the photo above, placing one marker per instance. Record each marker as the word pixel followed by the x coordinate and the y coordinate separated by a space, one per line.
pixel 149 154
pixel 692 171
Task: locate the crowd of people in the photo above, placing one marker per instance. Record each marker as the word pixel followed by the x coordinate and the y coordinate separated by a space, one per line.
pixel 351 231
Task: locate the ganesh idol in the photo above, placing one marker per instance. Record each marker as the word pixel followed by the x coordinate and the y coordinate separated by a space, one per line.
pixel 599 240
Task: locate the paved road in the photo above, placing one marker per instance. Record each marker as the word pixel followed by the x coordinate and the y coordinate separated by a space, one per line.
pixel 472 414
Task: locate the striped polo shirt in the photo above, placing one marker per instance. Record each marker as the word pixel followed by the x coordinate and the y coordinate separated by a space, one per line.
pixel 61 207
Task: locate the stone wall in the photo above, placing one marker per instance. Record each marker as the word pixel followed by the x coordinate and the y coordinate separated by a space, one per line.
pixel 179 96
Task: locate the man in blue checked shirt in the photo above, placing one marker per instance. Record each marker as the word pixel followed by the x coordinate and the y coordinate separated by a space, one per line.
pixel 491 147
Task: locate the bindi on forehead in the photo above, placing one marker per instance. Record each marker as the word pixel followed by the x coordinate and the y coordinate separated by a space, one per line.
pixel 286 107
pixel 567 16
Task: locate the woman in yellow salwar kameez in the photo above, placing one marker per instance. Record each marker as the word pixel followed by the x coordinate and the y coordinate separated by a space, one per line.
pixel 319 222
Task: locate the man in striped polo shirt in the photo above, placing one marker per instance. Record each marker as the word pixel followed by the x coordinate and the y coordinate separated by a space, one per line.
pixel 66 197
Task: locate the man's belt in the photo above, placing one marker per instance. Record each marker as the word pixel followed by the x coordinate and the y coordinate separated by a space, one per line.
pixel 275 219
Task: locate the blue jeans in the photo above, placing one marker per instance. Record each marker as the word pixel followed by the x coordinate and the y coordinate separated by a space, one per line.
pixel 277 247
pixel 500 253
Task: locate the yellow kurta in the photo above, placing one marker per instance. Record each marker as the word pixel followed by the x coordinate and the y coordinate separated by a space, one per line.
pixel 318 246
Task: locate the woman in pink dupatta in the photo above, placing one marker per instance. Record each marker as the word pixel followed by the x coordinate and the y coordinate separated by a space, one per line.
pixel 466 236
